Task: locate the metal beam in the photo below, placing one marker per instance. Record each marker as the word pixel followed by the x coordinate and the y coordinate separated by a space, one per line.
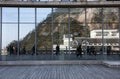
pixel 35 42
pixel 18 44
pixel 88 4
pixel 52 32
pixel 119 27
pixel 0 29
pixel 86 32
pixel 69 29
pixel 102 15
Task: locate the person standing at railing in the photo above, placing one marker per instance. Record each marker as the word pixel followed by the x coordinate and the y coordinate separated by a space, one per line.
pixel 108 50
pixel 11 49
pixel 79 51
pixel 24 50
pixel 93 50
pixel 57 49
pixel 33 50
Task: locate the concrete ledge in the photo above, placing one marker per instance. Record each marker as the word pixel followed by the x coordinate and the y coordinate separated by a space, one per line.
pixel 55 62
pixel 113 64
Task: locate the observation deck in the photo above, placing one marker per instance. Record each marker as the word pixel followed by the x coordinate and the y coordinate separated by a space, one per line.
pixel 60 4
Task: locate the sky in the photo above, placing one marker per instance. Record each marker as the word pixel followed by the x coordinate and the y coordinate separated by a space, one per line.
pixel 27 22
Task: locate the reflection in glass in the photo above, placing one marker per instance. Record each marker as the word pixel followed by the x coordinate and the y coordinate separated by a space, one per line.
pixel 44 14
pixel 111 32
pixel 43 33
pixel 27 15
pixel 50 31
pixel 10 38
pixel 95 32
pixel 27 38
pixel 10 15
pixel 60 32
pixel 78 31
pixel 44 40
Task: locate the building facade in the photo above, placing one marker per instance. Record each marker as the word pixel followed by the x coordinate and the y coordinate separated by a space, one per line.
pixel 31 30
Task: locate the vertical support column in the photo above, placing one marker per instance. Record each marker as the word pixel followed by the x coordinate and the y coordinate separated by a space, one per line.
pixel 102 58
pixel 119 29
pixel 35 31
pixel 85 34
pixel 69 29
pixel 18 44
pixel 3 57
pixel 0 28
pixel 52 32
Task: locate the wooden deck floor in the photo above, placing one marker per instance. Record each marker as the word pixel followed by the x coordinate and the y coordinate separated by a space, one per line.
pixel 59 72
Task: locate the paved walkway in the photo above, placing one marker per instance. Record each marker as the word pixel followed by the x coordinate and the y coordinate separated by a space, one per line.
pixel 59 72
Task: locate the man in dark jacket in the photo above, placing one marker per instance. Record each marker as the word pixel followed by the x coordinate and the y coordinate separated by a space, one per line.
pixel 108 50
pixel 33 50
pixel 79 51
pixel 57 49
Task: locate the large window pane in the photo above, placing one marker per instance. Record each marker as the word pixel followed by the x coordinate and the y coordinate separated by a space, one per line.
pixel 43 14
pixel 27 15
pixel 60 30
pixel 43 33
pixel 27 38
pixel 10 40
pixel 78 32
pixel 10 15
pixel 94 24
pixel 111 33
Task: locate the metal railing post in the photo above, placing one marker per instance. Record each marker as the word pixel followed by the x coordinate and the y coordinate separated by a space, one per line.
pixel 102 58
pixel 0 29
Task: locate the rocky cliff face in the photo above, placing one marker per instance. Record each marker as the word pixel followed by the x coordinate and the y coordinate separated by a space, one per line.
pixel 77 25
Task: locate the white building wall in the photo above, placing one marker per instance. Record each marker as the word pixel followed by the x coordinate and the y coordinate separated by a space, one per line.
pixel 65 43
pixel 93 33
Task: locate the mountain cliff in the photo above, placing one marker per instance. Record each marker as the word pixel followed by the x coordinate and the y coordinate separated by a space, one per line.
pixel 77 25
